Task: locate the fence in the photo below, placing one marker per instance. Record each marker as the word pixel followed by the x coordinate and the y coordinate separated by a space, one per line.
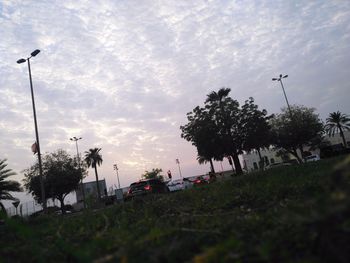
pixel 28 208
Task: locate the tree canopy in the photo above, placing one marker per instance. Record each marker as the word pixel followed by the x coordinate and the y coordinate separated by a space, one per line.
pixel 222 128
pixel 61 176
pixel 296 129
pixel 153 174
pixel 93 158
pixel 7 186
pixel 338 122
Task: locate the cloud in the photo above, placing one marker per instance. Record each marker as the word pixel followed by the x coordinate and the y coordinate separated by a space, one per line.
pixel 123 74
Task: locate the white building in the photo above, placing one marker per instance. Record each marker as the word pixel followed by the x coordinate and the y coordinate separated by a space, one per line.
pixel 251 161
pixel 90 189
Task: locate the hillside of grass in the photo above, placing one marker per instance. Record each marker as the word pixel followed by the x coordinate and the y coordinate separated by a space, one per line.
pixel 289 214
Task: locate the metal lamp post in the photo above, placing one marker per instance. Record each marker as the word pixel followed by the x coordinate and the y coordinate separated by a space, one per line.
pixel 115 167
pixel 75 139
pixel 20 61
pixel 178 163
pixel 285 96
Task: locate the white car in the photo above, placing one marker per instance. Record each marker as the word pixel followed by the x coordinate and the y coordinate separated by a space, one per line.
pixel 312 158
pixel 176 185
pixel 179 184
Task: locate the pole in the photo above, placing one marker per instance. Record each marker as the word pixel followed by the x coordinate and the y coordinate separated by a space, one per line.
pixel 116 169
pixel 37 142
pixel 79 167
pixel 285 96
pixel 178 163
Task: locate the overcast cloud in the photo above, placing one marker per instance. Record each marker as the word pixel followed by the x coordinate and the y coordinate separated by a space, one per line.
pixel 123 74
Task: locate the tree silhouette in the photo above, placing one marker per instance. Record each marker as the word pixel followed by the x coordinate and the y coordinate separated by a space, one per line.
pixel 294 131
pixel 337 122
pixel 7 186
pixel 256 128
pixel 61 173
pixel 93 158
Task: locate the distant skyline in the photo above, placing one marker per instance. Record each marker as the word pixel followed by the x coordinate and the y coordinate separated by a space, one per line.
pixel 123 74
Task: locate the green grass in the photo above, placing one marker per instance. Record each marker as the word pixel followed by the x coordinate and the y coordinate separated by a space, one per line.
pixel 288 214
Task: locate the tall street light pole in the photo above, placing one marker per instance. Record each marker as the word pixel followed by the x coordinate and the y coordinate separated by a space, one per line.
pixel 285 96
pixel 20 61
pixel 115 167
pixel 178 163
pixel 75 139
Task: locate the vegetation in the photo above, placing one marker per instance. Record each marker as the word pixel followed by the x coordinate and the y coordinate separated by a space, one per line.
pixel 93 158
pixel 338 121
pixel 154 174
pixel 7 186
pixel 288 214
pixel 61 176
pixel 295 129
pixel 222 129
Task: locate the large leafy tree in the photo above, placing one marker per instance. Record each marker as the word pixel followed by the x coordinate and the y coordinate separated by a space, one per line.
pixel 255 127
pixel 215 128
pixel 61 176
pixel 337 122
pixel 153 174
pixel 226 115
pixel 202 131
pixel 292 130
pixel 7 186
pixel 93 158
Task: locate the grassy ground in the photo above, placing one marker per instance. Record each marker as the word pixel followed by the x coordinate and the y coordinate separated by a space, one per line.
pixel 298 213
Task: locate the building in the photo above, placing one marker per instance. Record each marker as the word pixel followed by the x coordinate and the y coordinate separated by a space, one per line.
pixel 90 190
pixel 251 161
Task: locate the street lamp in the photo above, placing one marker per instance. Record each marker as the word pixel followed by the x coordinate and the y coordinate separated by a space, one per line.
pixel 20 61
pixel 115 167
pixel 178 163
pixel 285 96
pixel 75 139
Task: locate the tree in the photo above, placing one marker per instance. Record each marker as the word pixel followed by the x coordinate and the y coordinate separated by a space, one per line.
pixel 296 129
pixel 7 186
pixel 61 176
pixel 256 128
pixel 93 158
pixel 338 122
pixel 225 113
pixel 202 132
pixel 154 174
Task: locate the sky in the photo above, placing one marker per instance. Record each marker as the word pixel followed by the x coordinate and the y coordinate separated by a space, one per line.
pixel 123 74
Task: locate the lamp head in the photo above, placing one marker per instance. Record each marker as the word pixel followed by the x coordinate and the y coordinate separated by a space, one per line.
pixel 274 79
pixel 20 61
pixel 35 52
pixel 285 76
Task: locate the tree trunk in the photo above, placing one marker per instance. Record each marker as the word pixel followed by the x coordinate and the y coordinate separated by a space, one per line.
pixel 97 184
pixel 62 205
pixel 237 164
pixel 295 153
pixel 342 135
pixel 3 208
pixel 301 152
pixel 261 160
pixel 212 166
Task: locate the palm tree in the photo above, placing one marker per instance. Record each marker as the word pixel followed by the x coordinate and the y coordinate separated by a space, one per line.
pixel 93 158
pixel 337 122
pixel 218 96
pixel 7 186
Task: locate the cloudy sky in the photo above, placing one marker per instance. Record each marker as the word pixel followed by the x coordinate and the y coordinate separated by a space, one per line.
pixel 123 74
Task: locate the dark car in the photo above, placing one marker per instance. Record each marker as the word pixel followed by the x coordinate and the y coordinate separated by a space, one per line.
pixel 144 187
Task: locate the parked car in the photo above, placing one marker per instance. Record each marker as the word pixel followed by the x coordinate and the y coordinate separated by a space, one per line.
pixel 200 180
pixel 144 187
pixel 312 158
pixel 274 165
pixel 176 185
